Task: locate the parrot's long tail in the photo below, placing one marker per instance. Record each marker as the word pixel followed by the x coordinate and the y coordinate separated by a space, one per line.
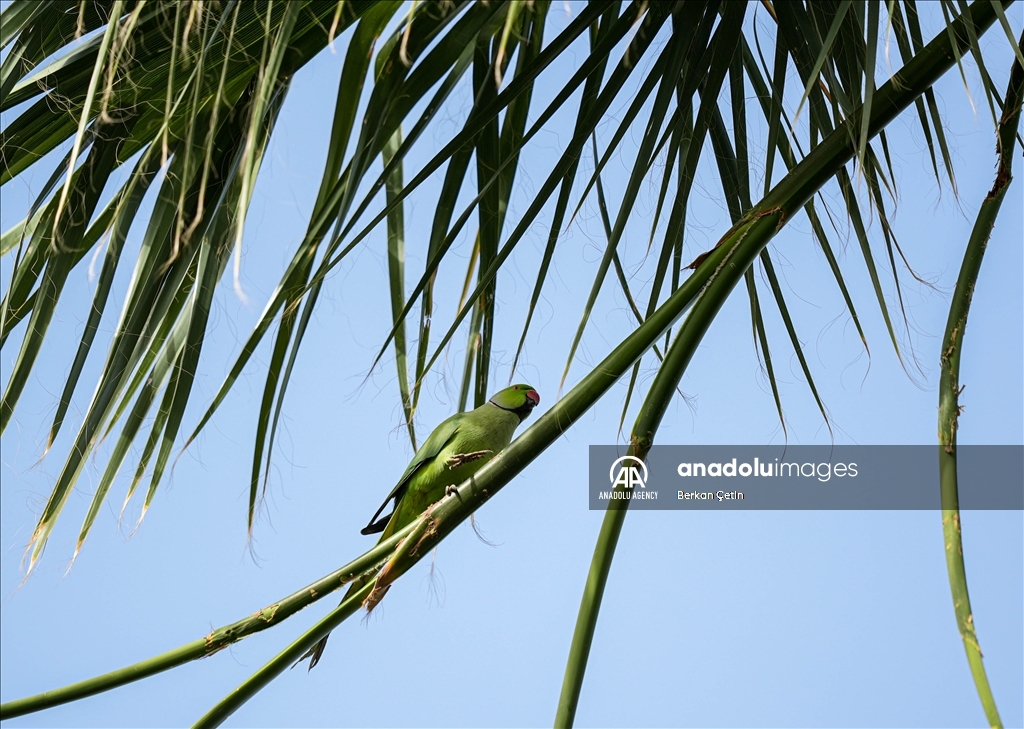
pixel 314 653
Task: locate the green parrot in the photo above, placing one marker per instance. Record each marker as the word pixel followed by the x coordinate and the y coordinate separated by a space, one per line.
pixel 456 450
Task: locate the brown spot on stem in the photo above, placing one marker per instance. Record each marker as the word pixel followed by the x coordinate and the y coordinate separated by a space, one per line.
pixel 430 531
pixel 376 595
pixel 1003 178
pixel 272 609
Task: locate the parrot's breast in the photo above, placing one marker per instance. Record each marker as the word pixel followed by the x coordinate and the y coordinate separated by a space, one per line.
pixel 488 428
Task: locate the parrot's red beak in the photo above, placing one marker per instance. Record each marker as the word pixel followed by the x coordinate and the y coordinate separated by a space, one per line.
pixel 533 397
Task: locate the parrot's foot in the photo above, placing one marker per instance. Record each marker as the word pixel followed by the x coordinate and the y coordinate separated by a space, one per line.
pixel 453 490
pixel 460 459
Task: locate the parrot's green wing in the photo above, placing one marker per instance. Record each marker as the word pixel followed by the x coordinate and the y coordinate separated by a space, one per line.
pixel 435 443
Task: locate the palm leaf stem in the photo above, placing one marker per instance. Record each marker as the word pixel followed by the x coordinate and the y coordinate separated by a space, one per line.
pixel 950 388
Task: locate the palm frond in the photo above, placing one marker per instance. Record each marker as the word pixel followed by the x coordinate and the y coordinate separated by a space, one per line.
pixel 194 91
pixel 176 103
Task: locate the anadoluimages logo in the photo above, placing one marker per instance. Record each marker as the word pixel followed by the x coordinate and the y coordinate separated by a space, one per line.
pixel 800 477
pixel 628 475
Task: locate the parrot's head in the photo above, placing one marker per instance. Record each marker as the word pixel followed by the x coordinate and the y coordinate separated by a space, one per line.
pixel 519 399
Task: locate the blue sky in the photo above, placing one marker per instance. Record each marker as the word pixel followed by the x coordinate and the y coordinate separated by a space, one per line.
pixel 727 619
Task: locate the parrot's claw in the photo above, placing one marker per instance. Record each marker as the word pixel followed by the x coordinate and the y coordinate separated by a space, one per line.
pixel 452 490
pixel 460 459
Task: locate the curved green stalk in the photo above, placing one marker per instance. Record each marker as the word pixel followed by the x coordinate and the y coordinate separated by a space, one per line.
pixel 651 413
pixel 213 642
pixel 949 390
pixel 751 238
